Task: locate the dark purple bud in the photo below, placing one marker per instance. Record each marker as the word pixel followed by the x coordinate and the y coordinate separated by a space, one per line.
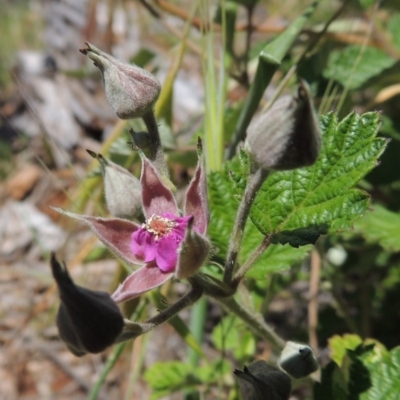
pixel 88 321
pixel 261 381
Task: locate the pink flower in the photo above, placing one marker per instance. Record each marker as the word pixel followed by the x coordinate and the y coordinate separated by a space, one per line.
pixel 166 245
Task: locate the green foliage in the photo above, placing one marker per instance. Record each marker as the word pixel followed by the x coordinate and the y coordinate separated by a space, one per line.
pixel 359 371
pixel 381 226
pixel 339 345
pixel 231 331
pixel 355 65
pixel 223 206
pixel 384 372
pixel 168 377
pixel 322 197
pixel 393 28
pixel 346 382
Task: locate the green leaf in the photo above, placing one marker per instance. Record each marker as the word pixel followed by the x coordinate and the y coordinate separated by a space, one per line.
pixel 347 381
pixel 231 331
pixel 212 373
pixel 384 373
pixel 339 345
pixel 381 226
pixel 178 324
pixel 276 258
pixel 355 65
pixel 393 28
pixel 223 194
pixel 321 198
pixel 167 377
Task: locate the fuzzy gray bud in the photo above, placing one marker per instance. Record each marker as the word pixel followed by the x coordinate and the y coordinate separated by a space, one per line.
pixel 131 91
pixel 123 191
pixel 298 360
pixel 287 136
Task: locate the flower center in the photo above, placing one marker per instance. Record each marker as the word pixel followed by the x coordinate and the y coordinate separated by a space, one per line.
pixel 159 226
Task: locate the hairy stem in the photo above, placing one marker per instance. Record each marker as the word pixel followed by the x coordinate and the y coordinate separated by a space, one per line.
pixel 252 258
pixel 254 321
pixel 253 185
pixel 132 330
pixel 156 153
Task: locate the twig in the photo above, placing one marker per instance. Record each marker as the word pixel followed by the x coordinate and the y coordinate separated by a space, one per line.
pixel 252 258
pixel 253 185
pixel 156 152
pixel 139 329
pixel 313 295
pixel 254 321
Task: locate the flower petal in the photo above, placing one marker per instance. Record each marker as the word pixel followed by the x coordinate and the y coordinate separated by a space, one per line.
pixel 115 233
pixel 141 281
pixel 167 252
pixel 196 200
pixel 143 245
pixel 157 198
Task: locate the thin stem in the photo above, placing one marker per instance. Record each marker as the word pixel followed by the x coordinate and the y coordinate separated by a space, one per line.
pixel 133 330
pixel 313 303
pixel 343 311
pixel 249 31
pixel 155 153
pixel 253 185
pixel 111 360
pixel 255 322
pixel 252 258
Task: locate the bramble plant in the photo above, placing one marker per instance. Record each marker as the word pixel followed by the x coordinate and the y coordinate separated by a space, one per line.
pixel 250 210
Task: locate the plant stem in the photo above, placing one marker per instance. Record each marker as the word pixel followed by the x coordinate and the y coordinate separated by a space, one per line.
pixel 111 360
pixel 255 322
pixel 156 153
pixel 253 185
pixel 139 329
pixel 252 258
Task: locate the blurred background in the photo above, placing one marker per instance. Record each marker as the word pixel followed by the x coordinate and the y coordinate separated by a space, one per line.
pixel 53 108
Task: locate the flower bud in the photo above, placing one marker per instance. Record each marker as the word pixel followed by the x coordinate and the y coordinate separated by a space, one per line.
pixel 298 360
pixel 193 252
pixel 88 321
pixel 261 381
pixel 130 90
pixel 287 136
pixel 123 191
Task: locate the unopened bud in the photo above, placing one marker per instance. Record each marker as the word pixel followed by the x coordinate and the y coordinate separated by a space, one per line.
pixel 123 191
pixel 261 381
pixel 193 252
pixel 298 360
pixel 88 321
pixel 288 135
pixel 131 91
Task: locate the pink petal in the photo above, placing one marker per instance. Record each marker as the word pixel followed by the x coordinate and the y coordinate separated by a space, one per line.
pixel 182 224
pixel 115 233
pixel 157 198
pixel 141 281
pixel 196 200
pixel 143 245
pixel 167 256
